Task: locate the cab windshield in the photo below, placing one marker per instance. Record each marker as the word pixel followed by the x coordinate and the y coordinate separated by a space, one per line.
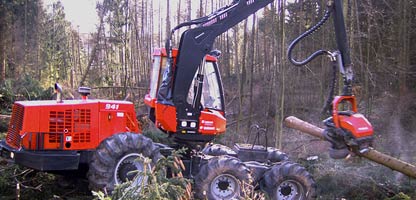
pixel 158 68
pixel 211 96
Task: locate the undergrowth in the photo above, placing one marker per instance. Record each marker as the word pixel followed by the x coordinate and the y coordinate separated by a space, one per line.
pixel 359 179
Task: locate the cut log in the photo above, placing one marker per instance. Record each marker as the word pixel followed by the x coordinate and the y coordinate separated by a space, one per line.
pixel 372 154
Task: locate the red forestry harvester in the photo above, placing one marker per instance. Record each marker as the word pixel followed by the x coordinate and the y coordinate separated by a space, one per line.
pixel 185 100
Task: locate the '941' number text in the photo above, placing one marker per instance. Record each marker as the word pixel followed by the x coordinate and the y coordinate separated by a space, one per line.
pixel 111 106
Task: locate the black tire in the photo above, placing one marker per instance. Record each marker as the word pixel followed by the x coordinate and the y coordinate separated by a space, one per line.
pixel 288 181
pixel 218 150
pixel 223 177
pixel 116 156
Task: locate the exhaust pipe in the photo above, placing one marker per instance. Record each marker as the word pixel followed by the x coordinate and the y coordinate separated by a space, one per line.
pixel 58 91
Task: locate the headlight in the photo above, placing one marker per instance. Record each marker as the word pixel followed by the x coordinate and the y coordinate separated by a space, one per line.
pixel 193 124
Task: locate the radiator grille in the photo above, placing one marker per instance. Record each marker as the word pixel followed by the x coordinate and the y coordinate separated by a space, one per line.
pixel 75 123
pixel 82 126
pixel 59 122
pixel 15 126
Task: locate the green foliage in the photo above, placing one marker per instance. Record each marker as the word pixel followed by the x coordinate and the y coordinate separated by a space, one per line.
pixel 6 180
pixel 400 196
pixel 6 96
pixel 162 183
pixel 338 179
pixel 55 46
pixel 23 88
pixel 157 136
pixel 30 89
pixel 4 125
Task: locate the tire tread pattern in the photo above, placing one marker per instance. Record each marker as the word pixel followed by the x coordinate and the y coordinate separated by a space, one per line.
pixel 216 166
pixel 288 171
pixel 107 154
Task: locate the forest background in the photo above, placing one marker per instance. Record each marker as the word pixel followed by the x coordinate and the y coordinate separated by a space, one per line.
pixel 39 46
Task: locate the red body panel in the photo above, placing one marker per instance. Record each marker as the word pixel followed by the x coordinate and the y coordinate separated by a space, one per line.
pixel 357 124
pixel 149 101
pixel 212 122
pixel 162 52
pixel 166 117
pixel 71 125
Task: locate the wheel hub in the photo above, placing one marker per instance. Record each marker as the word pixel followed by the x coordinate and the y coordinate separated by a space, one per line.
pixel 286 190
pixel 128 167
pixel 225 186
pixel 289 190
pixel 126 171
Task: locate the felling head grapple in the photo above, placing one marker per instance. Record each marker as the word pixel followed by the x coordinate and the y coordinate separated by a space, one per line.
pixel 345 129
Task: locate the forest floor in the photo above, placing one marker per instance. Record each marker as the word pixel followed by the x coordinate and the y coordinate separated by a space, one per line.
pixel 335 180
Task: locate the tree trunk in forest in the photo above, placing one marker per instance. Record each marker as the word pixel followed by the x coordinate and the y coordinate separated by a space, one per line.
pixel 93 55
pixel 243 76
pixel 25 40
pixel 270 69
pixel 189 15
pixel 201 8
pixel 237 68
pixel 367 63
pixel 279 117
pixel 125 49
pixel 178 20
pixel 251 78
pixel 404 41
pixel 167 19
pixel 2 59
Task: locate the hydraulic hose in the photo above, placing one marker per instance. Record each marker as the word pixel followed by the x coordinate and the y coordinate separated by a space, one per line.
pixel 328 103
pixel 304 35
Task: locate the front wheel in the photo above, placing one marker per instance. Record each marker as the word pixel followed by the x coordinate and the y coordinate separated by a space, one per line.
pixel 120 158
pixel 288 181
pixel 223 177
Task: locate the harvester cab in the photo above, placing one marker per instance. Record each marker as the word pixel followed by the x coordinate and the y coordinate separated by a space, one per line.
pixel 205 116
pixel 186 97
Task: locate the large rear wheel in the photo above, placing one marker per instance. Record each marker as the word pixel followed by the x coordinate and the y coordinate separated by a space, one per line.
pixel 223 177
pixel 288 181
pixel 120 158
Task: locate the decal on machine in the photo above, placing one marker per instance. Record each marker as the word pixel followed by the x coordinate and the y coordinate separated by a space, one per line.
pixel 109 106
